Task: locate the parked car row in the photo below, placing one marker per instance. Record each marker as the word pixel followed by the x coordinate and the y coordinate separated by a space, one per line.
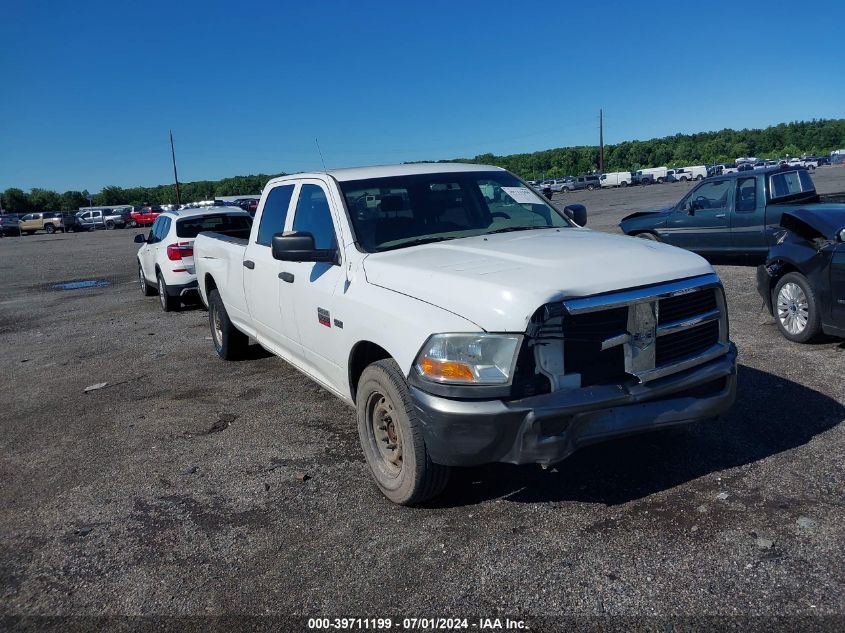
pixel 769 217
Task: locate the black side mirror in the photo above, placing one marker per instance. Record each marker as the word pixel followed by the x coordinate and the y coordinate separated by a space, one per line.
pixel 140 239
pixel 299 247
pixel 577 213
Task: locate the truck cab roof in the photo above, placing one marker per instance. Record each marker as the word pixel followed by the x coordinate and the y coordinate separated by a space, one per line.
pixel 387 171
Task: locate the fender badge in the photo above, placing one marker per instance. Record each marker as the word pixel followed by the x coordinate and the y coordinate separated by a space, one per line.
pixel 324 317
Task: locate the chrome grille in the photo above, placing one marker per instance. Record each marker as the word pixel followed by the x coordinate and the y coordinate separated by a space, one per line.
pixel 667 328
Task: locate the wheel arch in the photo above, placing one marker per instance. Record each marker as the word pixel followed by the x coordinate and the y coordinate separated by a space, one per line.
pixel 363 353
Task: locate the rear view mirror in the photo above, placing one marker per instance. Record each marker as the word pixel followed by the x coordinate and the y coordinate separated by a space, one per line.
pixel 140 239
pixel 577 213
pixel 299 247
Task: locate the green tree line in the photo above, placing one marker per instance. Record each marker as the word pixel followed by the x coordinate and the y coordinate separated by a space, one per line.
pixel 18 201
pixel 817 137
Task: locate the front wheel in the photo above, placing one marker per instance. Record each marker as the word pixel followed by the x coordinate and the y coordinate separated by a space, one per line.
pixel 133 224
pixel 392 439
pixel 796 308
pixel 229 342
pixel 168 303
pixel 648 236
pixel 590 187
pixel 109 225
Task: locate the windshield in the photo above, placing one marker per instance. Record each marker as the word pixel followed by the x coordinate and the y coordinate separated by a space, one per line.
pixel 390 213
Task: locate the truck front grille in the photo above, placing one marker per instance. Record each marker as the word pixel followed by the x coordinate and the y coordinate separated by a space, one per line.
pixel 686 305
pixel 642 334
pixel 686 343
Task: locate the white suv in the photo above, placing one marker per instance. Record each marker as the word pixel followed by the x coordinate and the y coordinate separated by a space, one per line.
pixel 166 257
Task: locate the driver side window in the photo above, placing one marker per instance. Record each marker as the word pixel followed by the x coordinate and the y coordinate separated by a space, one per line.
pixel 710 195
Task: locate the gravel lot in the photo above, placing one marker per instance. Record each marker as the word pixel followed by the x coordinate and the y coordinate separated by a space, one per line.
pixel 131 500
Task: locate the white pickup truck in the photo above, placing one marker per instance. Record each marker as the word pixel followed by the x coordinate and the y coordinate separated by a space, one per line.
pixel 466 319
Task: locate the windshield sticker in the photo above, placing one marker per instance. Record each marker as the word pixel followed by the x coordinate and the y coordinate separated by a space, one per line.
pixel 522 195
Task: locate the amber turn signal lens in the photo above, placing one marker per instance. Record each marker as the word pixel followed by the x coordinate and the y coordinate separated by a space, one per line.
pixel 444 369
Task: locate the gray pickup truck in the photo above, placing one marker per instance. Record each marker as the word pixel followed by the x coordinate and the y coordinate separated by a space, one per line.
pixel 732 218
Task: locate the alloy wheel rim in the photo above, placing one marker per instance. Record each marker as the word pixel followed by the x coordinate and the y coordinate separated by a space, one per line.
pixel 793 308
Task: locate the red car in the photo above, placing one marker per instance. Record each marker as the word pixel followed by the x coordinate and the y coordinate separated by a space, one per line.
pixel 144 216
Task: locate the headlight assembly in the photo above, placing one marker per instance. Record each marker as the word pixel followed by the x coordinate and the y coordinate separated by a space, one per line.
pixel 469 359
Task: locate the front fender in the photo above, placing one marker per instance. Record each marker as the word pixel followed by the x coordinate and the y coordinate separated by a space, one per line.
pixel 643 221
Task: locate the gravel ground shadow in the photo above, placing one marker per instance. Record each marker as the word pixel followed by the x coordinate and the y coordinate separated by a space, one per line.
pixel 771 415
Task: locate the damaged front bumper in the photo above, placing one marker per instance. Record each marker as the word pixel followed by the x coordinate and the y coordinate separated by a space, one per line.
pixel 548 428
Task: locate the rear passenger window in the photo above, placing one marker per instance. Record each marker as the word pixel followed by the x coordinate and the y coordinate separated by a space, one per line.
pixel 274 214
pixel 313 216
pixel 746 195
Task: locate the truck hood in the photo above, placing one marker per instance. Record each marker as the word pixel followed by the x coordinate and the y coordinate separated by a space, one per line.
pixel 648 213
pixel 499 281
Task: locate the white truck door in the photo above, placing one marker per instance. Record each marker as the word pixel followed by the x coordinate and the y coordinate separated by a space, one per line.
pixel 310 286
pixel 274 322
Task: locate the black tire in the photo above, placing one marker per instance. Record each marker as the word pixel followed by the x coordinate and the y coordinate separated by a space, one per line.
pixel 386 417
pixel 660 181
pixel 133 224
pixel 699 177
pixel 796 309
pixel 50 228
pixel 590 187
pixel 648 236
pixel 683 178
pixel 109 225
pixel 229 342
pixel 146 291
pixel 168 303
pixel 623 184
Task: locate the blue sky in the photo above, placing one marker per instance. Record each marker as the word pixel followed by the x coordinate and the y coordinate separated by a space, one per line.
pixel 90 89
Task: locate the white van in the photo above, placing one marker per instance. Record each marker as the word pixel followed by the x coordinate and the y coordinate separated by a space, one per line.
pixel 616 179
pixel 651 175
pixel 696 172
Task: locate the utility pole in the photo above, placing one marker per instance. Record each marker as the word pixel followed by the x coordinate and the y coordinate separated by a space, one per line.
pixel 175 175
pixel 601 141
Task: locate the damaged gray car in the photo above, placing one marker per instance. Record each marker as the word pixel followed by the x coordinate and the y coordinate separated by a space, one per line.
pixel 803 280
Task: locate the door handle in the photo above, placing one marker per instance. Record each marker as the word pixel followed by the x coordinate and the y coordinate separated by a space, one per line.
pixel 288 277
pixel 249 264
pixel 720 215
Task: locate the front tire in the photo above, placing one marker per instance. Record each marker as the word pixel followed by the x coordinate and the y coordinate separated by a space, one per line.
pixel 648 236
pixel 796 308
pixel 392 438
pixel 168 303
pixel 109 225
pixel 133 224
pixel 229 342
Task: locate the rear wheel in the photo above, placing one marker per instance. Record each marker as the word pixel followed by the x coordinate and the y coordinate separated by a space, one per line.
pixel 660 181
pixel 796 308
pixel 392 439
pixel 109 225
pixel 168 303
pixel 146 291
pixel 50 228
pixel 699 177
pixel 229 342
pixel 590 187
pixel 133 224
pixel 623 184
